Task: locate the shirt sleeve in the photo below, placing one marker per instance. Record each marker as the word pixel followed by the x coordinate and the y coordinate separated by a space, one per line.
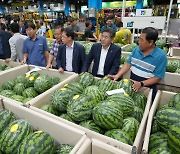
pixel 45 46
pixel 13 50
pixel 52 49
pixel 25 49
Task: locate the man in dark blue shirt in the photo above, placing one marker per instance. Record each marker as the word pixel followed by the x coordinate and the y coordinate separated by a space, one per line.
pixel 35 48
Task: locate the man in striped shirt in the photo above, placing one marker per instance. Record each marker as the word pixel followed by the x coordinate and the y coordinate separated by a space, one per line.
pixel 54 50
pixel 147 62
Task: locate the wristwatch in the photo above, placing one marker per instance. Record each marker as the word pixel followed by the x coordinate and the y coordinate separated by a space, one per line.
pixel 142 84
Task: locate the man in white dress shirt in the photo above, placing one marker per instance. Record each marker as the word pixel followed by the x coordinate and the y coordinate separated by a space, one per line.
pixel 16 43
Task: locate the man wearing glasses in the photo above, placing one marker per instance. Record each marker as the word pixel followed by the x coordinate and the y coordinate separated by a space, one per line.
pixel 71 55
pixel 105 55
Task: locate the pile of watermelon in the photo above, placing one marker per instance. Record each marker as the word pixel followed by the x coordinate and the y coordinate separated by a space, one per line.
pixel 161 43
pixel 129 47
pixel 26 87
pixel 173 66
pixel 4 67
pixel 86 103
pixel 165 131
pixel 18 136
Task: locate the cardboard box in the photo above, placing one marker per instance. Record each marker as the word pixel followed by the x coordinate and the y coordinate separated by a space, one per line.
pixel 175 51
pixel 99 147
pixel 13 64
pixel 11 75
pixel 61 132
pixel 45 99
pixel 162 97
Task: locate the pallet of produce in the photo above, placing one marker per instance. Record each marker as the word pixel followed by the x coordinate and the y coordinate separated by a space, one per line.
pixel 25 83
pixel 6 67
pixel 163 126
pixel 25 131
pixel 84 104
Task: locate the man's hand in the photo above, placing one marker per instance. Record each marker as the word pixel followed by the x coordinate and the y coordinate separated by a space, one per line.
pixel 49 66
pixel 61 70
pixel 136 85
pixel 7 60
pixel 113 77
pixel 23 62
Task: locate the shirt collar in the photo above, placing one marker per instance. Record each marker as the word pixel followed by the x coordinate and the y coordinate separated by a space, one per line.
pixel 107 48
pixel 72 46
pixel 152 53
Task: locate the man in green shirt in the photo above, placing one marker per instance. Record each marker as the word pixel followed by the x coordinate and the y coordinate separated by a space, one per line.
pixel 123 35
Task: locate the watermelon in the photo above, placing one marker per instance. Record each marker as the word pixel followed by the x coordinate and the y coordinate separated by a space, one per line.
pixel 155 127
pixel 172 66
pixel 108 115
pixel 157 140
pixel 80 108
pixel 8 85
pixel 21 79
pixel 18 98
pixel 125 102
pixel 90 124
pixel 175 101
pixel 174 137
pixel 30 92
pixel 7 93
pixel 2 67
pixel 129 47
pixel 86 79
pixel 63 149
pixel 42 83
pixel 123 60
pixel 130 126
pixel 6 117
pixel 105 84
pixel 50 109
pixel 137 113
pixel 119 135
pixel 167 117
pixel 161 43
pixel 26 100
pixel 161 150
pixel 8 67
pixel 66 117
pixel 60 98
pixel 140 100
pixel 75 87
pixel 127 86
pixel 19 88
pixel 13 135
pixel 37 142
pixel 55 80
pixel 95 93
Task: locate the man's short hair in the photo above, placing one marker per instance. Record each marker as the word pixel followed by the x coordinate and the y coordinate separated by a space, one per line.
pixel 110 31
pixel 59 27
pixel 119 24
pixel 14 27
pixel 87 23
pixel 151 33
pixel 30 25
pixel 69 32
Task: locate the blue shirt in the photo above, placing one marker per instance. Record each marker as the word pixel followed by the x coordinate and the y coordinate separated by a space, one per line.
pixel 113 26
pixel 151 65
pixel 36 50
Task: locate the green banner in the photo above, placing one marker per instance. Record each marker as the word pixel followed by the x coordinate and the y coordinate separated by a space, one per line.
pixel 118 4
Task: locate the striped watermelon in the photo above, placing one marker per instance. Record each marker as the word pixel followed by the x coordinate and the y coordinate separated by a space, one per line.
pixel 66 117
pixel 140 100
pixel 119 135
pixel 49 108
pixel 175 101
pixel 167 117
pixel 8 85
pixel 125 102
pixel 86 79
pixel 27 100
pixel 108 115
pixel 130 126
pixel 155 127
pixel 80 108
pixel 18 98
pixel 137 113
pixel 157 140
pixel 105 84
pixel 30 92
pixel 6 117
pixel 21 79
pixel 42 83
pixel 75 87
pixel 31 78
pixel 63 149
pixel 13 135
pixel 90 124
pixel 95 93
pixel 19 88
pixel 174 137
pixel 2 67
pixel 127 86
pixel 7 93
pixel 60 98
pixel 55 80
pixel 38 142
pixel 161 150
